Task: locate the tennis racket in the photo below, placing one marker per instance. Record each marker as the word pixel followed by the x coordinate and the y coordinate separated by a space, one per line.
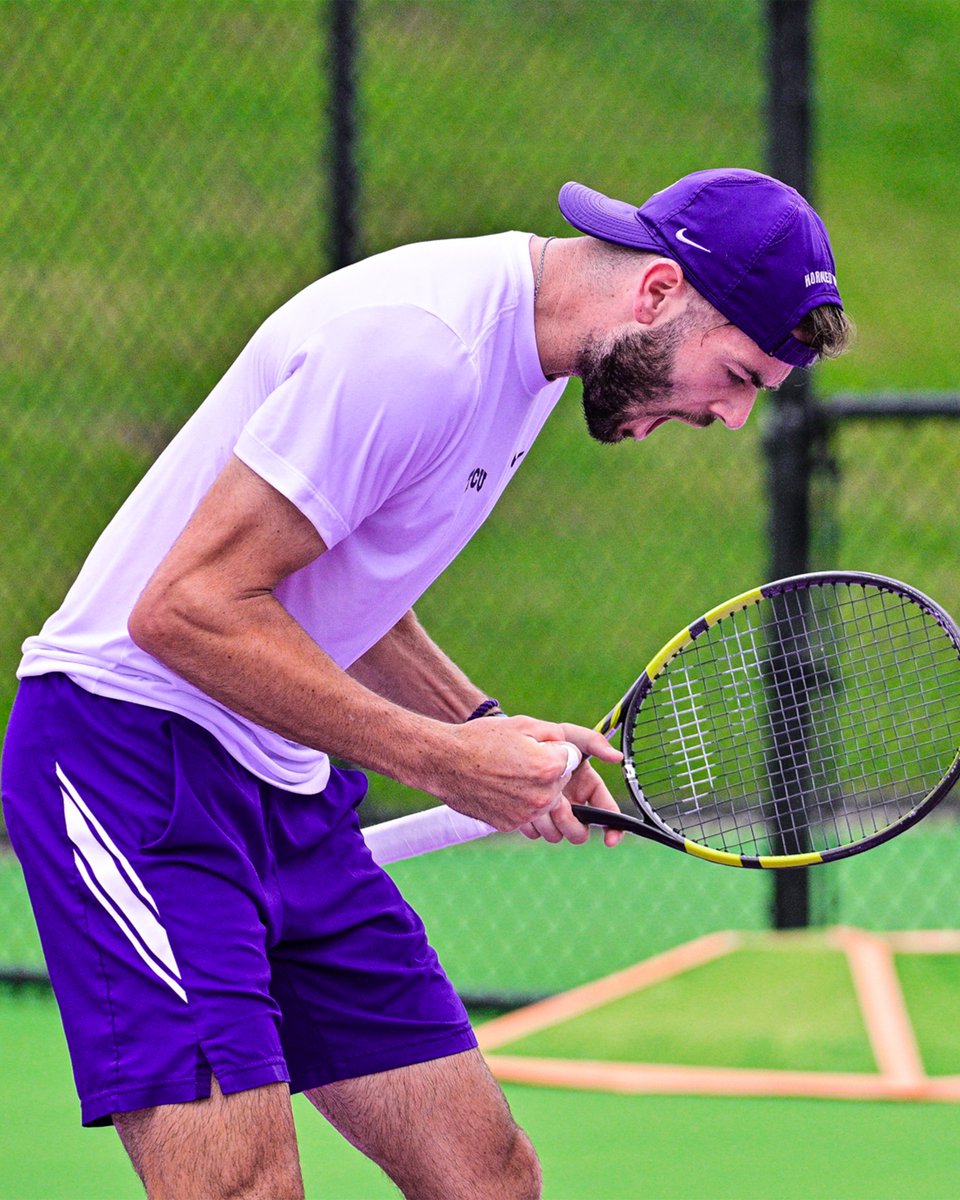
pixel 798 723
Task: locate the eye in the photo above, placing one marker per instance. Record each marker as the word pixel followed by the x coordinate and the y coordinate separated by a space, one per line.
pixel 735 378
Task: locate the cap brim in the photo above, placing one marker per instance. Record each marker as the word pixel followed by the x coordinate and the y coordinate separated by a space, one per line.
pixel 615 221
pixel 610 220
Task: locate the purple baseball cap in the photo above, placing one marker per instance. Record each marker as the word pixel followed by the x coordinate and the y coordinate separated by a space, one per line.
pixel 748 243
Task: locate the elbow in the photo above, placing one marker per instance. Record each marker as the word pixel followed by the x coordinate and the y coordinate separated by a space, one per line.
pixel 163 624
pixel 148 626
pixel 177 625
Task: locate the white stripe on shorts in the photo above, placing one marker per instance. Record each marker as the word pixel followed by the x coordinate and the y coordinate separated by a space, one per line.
pixel 99 862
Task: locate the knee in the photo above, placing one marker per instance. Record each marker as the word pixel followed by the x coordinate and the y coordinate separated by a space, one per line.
pixel 279 1181
pixel 225 1147
pixel 225 1180
pixel 523 1168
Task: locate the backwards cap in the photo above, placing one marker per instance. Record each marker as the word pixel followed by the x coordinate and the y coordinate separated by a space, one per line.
pixel 748 243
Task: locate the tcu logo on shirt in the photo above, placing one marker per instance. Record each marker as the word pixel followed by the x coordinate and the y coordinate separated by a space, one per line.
pixel 477 479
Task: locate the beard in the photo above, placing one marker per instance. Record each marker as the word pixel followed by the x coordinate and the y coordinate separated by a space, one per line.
pixel 631 378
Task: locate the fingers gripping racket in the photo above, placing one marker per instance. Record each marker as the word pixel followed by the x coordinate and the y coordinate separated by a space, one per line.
pixel 798 723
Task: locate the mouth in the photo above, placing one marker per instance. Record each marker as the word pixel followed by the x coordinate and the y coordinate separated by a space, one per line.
pixel 642 432
pixel 693 420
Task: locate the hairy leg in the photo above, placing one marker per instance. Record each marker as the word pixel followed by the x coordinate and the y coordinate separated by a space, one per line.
pixel 441 1130
pixel 241 1146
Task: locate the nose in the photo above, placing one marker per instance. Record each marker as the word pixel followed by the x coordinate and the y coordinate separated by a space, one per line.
pixel 734 411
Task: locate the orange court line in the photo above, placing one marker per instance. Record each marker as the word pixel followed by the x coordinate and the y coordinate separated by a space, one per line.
pixel 884 1009
pixel 525 1021
pixel 923 941
pixel 648 1078
pixel 901 1074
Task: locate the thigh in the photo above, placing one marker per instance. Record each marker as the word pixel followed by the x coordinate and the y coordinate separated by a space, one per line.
pixel 243 1145
pixel 442 1130
pixel 360 988
pixel 152 918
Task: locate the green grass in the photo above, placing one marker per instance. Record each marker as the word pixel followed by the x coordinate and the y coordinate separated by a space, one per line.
pixel 686 1148
pixel 903 884
pixel 888 145
pixel 19 943
pixel 524 918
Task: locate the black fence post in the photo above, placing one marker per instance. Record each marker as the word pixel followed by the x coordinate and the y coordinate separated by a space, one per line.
pixel 789 433
pixel 344 176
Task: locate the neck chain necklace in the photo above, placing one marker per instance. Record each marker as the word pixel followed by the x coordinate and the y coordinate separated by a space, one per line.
pixel 543 255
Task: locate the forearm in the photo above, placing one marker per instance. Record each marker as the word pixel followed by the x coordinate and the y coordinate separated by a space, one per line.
pixel 409 668
pixel 252 657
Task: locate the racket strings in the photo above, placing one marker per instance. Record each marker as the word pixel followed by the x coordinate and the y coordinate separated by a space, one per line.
pixel 805 721
pixel 864 704
pixel 862 701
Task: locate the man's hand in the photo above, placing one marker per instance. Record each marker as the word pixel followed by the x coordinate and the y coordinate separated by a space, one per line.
pixel 512 774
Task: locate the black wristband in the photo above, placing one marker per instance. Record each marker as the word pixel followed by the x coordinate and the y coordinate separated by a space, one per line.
pixel 482 709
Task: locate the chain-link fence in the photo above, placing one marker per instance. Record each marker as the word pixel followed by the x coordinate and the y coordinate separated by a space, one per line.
pixel 167 186
pixel 162 190
pixel 886 484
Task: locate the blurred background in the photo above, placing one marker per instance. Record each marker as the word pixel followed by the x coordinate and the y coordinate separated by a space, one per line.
pixel 175 171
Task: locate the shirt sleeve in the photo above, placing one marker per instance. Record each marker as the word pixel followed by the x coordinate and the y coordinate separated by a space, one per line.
pixel 366 408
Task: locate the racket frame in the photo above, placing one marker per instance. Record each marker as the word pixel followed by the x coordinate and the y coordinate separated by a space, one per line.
pixel 620 718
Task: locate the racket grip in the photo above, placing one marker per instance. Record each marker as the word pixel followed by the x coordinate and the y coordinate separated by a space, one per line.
pixel 435 828
pixel 421 832
pixel 574 759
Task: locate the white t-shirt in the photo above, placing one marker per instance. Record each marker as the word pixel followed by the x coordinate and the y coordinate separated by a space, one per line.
pixel 391 402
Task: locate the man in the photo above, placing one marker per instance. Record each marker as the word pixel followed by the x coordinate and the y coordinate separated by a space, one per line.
pixel 216 932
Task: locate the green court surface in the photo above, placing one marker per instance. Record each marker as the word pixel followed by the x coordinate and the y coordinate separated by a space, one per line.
pixel 595 1145
pixel 770 1009
pixel 931 988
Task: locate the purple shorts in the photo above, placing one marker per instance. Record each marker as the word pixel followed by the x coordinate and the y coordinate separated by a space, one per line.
pixel 197 920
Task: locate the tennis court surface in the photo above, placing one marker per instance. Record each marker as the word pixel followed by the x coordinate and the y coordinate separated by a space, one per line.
pixel 704 1072
pixel 826 1015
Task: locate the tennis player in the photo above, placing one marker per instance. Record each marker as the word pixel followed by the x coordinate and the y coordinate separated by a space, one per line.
pixel 216 932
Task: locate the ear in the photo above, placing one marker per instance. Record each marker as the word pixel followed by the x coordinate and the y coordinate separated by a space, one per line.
pixel 660 292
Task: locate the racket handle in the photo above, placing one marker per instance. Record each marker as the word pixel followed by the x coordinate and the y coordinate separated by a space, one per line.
pixel 421 832
pixel 434 828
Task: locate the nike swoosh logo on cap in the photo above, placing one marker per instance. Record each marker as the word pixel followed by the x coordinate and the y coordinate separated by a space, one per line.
pixel 681 236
